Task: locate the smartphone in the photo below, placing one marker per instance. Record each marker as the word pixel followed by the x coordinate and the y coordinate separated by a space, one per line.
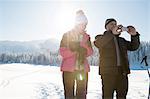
pixel 124 29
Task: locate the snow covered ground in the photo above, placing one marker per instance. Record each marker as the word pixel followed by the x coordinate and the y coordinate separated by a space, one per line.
pixel 23 81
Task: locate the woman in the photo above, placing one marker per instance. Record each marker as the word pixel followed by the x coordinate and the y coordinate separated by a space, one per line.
pixel 75 46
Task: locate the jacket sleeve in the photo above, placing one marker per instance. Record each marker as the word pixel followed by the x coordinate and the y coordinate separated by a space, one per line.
pixel 64 49
pixel 102 40
pixel 86 43
pixel 134 43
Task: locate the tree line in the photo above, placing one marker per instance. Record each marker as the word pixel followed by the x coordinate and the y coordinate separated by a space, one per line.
pixel 54 58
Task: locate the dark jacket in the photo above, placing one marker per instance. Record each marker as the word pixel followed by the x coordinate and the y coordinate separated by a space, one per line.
pixel 108 58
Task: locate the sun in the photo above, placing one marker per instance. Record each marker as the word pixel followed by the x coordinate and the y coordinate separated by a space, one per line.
pixel 65 18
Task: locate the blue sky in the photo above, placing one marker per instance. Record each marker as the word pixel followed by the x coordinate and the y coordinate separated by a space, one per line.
pixel 25 20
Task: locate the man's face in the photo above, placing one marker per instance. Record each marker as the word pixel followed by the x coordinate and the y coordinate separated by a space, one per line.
pixel 111 25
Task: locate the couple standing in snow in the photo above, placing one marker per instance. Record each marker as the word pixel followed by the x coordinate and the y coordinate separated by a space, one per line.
pixel 76 46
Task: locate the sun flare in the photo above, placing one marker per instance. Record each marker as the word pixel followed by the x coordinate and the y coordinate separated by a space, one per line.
pixel 65 18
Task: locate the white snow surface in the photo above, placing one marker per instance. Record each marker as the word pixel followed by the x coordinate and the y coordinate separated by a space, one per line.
pixel 24 81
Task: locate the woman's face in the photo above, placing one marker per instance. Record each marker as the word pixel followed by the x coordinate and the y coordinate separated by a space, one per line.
pixel 111 25
pixel 81 27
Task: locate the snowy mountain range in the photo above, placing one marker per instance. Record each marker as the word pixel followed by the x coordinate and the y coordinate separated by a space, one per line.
pixel 44 52
pixel 28 46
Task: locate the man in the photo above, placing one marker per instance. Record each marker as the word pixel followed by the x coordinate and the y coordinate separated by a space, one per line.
pixel 144 60
pixel 74 48
pixel 114 65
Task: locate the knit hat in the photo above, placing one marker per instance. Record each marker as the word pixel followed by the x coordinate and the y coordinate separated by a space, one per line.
pixel 80 18
pixel 108 21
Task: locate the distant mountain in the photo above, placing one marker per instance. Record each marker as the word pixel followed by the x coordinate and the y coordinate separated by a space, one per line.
pixel 50 44
pixel 28 46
